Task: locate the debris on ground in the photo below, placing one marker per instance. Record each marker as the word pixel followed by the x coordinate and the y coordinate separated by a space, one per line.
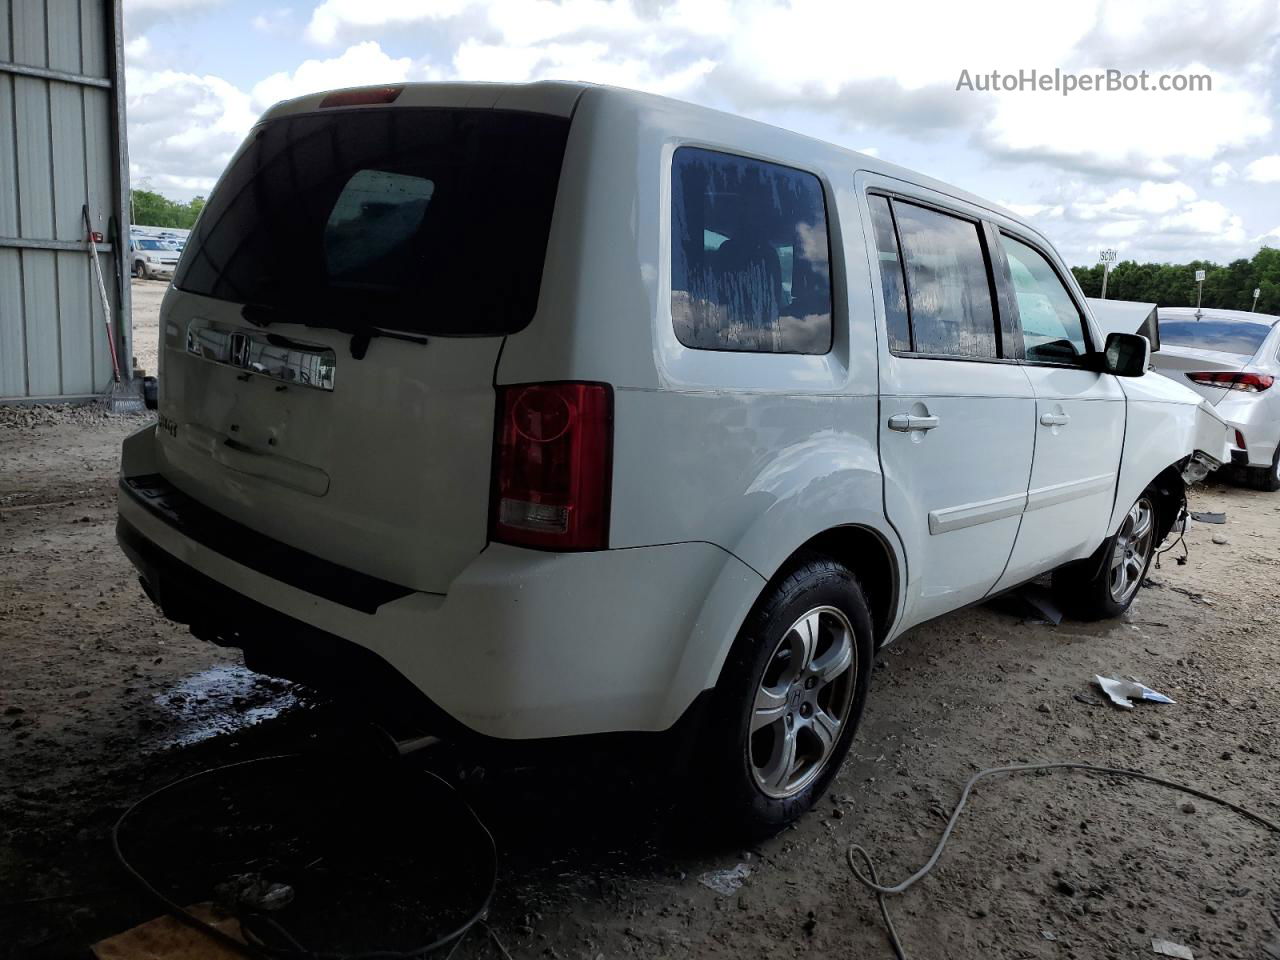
pixel 1167 948
pixel 1220 540
pixel 253 892
pixel 168 938
pixel 1209 517
pixel 726 882
pixel 1120 692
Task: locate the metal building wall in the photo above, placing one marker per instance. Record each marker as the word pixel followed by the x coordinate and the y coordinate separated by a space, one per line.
pixel 62 145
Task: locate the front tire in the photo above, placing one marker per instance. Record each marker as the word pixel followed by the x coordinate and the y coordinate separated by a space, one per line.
pixel 1116 577
pixel 789 699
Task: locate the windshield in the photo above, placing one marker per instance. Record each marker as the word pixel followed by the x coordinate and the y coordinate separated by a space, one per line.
pixel 152 245
pixel 1227 336
pixel 429 220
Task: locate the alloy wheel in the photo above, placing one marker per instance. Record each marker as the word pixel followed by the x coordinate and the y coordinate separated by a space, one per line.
pixel 802 702
pixel 1132 550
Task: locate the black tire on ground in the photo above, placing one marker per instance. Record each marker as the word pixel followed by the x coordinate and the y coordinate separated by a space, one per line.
pixel 732 798
pixel 1087 590
pixel 1265 478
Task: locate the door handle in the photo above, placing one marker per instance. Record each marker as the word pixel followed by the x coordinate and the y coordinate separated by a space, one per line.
pixel 1054 419
pixel 907 423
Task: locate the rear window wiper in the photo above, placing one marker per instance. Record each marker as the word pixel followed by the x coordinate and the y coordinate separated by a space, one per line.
pixel 361 334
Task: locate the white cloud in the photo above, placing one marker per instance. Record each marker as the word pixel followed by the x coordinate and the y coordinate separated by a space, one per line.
pixel 364 63
pixel 1222 174
pixel 1264 169
pixel 1122 133
pixel 142 15
pixel 183 127
pixel 333 17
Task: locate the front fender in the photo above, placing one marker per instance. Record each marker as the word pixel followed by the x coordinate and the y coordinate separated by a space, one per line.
pixel 1165 424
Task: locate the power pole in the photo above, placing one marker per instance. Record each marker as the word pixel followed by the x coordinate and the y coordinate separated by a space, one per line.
pixel 1108 257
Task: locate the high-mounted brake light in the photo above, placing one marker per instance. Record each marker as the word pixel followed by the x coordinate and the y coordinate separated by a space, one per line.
pixel 553 466
pixel 1246 382
pixel 361 96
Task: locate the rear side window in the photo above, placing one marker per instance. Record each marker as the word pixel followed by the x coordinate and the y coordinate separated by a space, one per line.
pixel 1052 328
pixel 891 278
pixel 1227 336
pixel 948 288
pixel 429 220
pixel 750 258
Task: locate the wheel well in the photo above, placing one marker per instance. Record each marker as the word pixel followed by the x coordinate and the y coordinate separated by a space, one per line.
pixel 1169 490
pixel 865 553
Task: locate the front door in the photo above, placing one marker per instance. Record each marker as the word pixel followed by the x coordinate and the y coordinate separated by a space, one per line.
pixel 1080 419
pixel 956 419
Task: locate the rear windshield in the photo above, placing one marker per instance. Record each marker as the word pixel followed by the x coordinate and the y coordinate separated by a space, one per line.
pixel 428 220
pixel 1227 336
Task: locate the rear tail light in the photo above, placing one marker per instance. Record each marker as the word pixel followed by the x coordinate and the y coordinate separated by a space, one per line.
pixel 553 466
pixel 361 96
pixel 1248 382
pixel 1240 441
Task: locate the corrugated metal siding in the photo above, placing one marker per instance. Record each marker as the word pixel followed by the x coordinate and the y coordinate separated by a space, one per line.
pixel 58 151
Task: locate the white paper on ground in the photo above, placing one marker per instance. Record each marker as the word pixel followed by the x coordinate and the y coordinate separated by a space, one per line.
pixel 1167 949
pixel 726 882
pixel 1120 692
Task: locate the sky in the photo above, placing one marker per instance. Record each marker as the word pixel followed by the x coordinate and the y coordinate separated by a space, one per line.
pixel 1167 176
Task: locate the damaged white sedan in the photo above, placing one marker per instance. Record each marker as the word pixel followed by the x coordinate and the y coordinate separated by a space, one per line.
pixel 569 410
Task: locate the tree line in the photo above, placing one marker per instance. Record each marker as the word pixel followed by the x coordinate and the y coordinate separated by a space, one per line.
pixel 1174 284
pixel 150 209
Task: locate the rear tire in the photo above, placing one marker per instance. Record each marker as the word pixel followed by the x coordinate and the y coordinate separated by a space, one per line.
pixel 1105 585
pixel 789 700
pixel 1265 478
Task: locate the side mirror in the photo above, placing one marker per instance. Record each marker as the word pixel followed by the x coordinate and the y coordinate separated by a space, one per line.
pixel 1126 355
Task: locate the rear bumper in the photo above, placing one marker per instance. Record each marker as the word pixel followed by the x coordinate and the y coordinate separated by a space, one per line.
pixel 526 644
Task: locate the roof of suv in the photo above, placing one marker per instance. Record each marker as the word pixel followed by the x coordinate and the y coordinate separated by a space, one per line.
pixel 559 97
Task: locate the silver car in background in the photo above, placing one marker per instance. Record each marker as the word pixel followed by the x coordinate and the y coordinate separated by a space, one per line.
pixel 1232 358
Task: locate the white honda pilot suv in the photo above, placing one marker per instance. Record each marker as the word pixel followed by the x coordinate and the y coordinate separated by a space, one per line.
pixel 561 410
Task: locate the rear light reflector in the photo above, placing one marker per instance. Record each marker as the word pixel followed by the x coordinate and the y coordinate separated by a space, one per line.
pixel 1246 382
pixel 553 462
pixel 361 96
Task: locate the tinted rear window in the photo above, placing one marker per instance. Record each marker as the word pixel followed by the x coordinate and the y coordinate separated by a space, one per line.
pixel 429 220
pixel 1227 336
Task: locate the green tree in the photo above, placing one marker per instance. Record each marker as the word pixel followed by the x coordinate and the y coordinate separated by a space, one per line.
pixel 1227 287
pixel 151 209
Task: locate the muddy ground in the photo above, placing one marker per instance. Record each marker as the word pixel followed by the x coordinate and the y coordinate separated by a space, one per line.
pixel 102 701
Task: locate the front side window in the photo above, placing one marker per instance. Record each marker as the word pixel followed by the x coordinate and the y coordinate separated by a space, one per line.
pixel 948 288
pixel 1052 328
pixel 750 257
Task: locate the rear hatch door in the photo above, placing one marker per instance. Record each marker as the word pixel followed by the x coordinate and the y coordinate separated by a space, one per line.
pixel 332 335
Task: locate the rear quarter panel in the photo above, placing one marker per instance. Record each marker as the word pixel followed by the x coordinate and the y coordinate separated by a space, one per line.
pixel 755 453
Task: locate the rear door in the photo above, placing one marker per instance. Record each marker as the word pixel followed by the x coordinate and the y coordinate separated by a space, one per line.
pixel 956 413
pixel 1080 416
pixel 331 341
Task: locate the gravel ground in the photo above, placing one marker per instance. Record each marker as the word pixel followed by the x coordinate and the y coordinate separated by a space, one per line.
pixel 101 701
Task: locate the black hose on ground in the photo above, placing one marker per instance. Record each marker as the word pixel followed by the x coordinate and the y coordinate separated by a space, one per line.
pixel 259 950
pixel 871 881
